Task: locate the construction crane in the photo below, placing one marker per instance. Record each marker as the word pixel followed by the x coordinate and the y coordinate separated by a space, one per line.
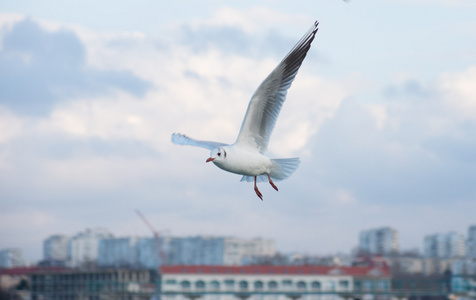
pixel 156 236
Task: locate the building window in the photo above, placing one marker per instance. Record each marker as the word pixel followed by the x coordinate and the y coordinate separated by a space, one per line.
pixel 243 285
pixel 185 285
pixel 316 286
pixel 200 285
pixel 171 281
pixel 368 285
pixel 229 284
pixel 272 285
pixel 259 285
pixel 357 285
pixel 383 285
pixel 301 286
pixel 343 284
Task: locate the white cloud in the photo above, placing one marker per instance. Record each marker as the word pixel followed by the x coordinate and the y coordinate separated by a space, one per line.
pixel 449 3
pixel 345 197
pixel 253 19
pixel 366 160
pixel 208 105
pixel 10 125
pixel 310 102
pixel 379 112
pixel 458 90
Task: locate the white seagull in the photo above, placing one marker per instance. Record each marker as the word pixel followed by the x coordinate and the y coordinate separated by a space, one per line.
pixel 245 156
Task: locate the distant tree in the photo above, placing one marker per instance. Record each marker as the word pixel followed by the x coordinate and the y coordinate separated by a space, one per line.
pixel 23 285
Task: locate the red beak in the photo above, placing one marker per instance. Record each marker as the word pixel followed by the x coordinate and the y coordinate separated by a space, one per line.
pixel 210 159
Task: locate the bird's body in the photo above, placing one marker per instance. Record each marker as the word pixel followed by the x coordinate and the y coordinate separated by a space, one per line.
pixel 243 161
pixel 245 156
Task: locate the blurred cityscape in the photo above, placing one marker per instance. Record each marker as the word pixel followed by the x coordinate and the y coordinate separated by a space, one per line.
pixel 97 253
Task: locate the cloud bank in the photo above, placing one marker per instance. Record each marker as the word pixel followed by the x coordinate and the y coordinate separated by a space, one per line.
pixel 86 118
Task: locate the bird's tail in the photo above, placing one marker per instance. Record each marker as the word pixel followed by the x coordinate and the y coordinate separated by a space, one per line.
pixel 282 169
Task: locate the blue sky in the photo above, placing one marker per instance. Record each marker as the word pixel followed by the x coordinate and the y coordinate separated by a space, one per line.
pixel 382 114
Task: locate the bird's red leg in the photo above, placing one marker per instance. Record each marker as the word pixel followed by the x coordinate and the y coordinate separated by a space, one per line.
pixel 271 182
pixel 257 191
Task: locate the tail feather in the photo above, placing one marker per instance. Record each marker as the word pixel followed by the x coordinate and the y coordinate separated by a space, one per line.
pixel 282 169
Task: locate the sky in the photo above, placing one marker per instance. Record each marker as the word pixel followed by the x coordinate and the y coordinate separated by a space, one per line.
pixel 382 114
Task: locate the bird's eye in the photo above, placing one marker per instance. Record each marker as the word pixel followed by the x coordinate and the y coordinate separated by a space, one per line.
pixel 219 153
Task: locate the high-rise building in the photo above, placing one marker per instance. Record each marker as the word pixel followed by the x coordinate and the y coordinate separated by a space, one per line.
pixel 455 245
pixel 149 254
pixel 55 248
pixel 136 252
pixel 471 242
pixel 236 250
pixel 379 241
pixel 202 250
pixel 198 250
pixel 99 247
pixel 11 257
pixel 83 247
pixel 444 245
pixel 118 252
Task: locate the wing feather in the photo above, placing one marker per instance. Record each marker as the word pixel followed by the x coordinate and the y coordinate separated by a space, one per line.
pixel 181 139
pixel 268 99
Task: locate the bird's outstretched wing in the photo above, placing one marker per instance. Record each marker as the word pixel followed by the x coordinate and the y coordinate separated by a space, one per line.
pixel 268 99
pixel 181 139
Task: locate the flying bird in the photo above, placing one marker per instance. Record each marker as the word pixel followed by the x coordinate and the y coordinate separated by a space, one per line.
pixel 246 156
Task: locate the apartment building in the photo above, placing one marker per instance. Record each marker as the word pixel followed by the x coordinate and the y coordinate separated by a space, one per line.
pixel 83 248
pixel 382 241
pixel 131 252
pixel 471 242
pixel 446 245
pixel 11 257
pixel 204 250
pixel 55 248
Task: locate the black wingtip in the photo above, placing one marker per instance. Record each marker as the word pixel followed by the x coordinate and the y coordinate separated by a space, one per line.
pixel 315 26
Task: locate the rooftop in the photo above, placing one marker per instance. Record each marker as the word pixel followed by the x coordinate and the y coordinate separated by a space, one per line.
pixel 29 270
pixel 278 270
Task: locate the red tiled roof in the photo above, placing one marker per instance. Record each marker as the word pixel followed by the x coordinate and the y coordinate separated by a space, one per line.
pixel 29 270
pixel 277 270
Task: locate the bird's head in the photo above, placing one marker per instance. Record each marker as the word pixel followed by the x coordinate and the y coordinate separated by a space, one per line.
pixel 217 155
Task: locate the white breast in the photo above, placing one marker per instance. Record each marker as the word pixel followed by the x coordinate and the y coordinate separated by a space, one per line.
pixel 244 162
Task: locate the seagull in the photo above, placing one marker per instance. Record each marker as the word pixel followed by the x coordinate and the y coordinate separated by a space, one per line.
pixel 246 156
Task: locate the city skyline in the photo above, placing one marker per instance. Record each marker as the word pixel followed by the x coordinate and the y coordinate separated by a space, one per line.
pixel 381 114
pixel 374 241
